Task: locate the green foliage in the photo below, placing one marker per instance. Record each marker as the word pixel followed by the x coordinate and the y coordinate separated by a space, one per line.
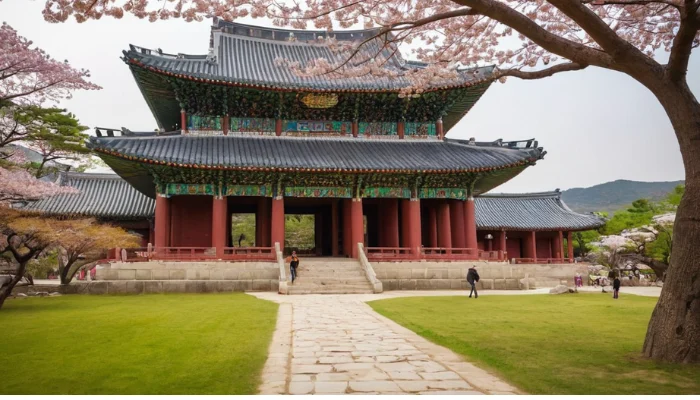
pixel 568 344
pixel 148 344
pixel 583 240
pixel 299 232
pixel 41 267
pixel 674 197
pixel 634 217
pixel 243 224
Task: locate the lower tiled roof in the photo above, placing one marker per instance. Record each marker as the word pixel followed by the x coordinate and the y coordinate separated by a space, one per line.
pixel 105 196
pixel 317 153
pixel 530 211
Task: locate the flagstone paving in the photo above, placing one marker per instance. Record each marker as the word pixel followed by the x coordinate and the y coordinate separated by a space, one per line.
pixel 336 344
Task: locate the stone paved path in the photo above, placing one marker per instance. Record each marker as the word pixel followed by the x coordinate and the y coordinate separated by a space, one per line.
pixel 335 344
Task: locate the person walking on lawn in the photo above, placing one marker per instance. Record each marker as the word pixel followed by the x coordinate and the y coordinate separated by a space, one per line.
pixel 473 278
pixel 293 264
pixel 616 288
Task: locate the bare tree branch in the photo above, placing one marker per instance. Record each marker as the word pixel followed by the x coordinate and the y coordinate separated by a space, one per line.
pixel 544 73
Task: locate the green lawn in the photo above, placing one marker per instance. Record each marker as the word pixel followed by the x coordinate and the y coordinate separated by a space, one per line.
pixel 544 344
pixel 150 344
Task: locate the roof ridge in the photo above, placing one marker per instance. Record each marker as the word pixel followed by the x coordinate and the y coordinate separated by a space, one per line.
pixel 549 194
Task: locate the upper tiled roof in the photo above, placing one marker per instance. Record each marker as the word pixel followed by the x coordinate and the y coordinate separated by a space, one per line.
pixel 351 154
pixel 100 195
pixel 530 211
pixel 250 55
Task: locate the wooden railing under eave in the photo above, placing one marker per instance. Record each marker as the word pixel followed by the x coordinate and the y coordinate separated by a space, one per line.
pixel 144 254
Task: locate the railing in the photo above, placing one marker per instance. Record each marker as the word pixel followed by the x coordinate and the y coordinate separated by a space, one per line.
pixel 448 253
pixel 137 254
pixel 541 261
pixel 377 286
pixel 283 271
pixel 144 254
pixel 389 253
pixel 184 253
pixel 492 255
pixel 249 253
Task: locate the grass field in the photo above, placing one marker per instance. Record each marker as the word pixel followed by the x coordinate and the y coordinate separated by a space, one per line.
pixel 543 344
pixel 151 344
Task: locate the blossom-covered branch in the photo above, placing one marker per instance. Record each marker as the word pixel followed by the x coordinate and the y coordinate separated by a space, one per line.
pixel 29 75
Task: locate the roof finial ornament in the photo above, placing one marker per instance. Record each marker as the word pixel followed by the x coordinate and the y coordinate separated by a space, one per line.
pixel 472 141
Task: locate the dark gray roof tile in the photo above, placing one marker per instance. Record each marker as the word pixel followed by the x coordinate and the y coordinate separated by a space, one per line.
pixel 530 211
pixel 104 196
pixel 332 153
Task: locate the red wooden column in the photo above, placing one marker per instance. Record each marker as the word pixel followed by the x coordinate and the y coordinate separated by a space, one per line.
pixel 531 245
pixel 570 245
pixel 401 129
pixel 227 122
pixel 334 228
pixel 413 228
pixel 560 247
pixel 218 225
pixel 444 229
pixel 355 129
pixel 432 226
pixel 470 224
pixel 391 221
pixel 347 228
pixel 278 127
pixel 503 245
pixel 162 225
pixel 357 226
pixel 183 121
pixel 277 222
pixel 457 223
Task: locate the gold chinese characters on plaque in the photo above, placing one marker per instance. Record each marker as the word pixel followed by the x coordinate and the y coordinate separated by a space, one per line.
pixel 320 100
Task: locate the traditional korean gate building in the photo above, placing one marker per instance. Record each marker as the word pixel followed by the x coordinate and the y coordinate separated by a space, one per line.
pixel 241 132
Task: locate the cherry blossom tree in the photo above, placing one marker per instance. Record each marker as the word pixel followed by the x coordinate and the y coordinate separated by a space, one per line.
pixel 29 75
pixel 648 40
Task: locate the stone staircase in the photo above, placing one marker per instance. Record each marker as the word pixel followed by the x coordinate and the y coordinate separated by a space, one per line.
pixel 329 276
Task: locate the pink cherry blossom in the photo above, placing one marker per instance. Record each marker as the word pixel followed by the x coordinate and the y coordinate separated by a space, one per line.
pixel 20 185
pixel 29 75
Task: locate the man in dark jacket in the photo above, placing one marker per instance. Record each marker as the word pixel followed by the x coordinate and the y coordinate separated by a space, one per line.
pixel 473 278
pixel 293 264
pixel 616 288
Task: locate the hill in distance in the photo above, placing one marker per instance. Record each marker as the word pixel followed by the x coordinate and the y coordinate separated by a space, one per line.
pixel 616 195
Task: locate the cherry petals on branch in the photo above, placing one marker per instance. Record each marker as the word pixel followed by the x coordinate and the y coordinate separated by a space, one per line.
pixel 29 75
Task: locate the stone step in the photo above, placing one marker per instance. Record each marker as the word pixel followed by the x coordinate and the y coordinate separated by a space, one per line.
pixel 330 281
pixel 329 288
pixel 330 267
pixel 332 291
pixel 331 274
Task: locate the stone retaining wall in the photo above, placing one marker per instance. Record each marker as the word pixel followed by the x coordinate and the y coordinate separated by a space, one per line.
pixel 424 275
pixel 184 277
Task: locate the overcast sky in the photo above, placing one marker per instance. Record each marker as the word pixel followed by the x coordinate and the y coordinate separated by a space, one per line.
pixel 596 125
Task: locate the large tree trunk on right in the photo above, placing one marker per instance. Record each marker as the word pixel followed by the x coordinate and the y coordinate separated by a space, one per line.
pixel 674 330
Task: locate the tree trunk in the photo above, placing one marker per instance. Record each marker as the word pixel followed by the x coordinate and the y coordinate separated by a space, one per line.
pixel 6 290
pixel 674 330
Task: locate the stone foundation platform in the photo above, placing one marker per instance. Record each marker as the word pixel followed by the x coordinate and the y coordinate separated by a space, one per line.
pixel 425 275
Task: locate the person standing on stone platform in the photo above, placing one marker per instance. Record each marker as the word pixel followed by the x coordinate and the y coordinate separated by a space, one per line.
pixel 472 278
pixel 293 264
